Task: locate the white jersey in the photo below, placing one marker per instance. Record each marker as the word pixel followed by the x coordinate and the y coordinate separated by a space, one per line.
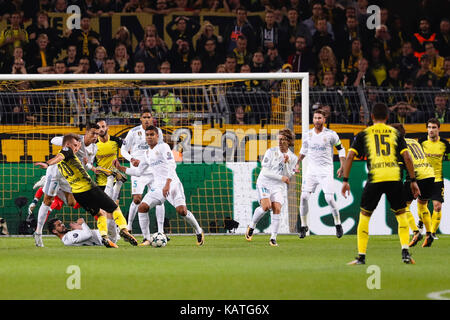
pixel 160 162
pixel 274 167
pixel 83 237
pixel 87 152
pixel 134 145
pixel 318 149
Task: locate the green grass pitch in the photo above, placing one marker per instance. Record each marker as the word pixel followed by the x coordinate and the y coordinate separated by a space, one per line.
pixel 226 267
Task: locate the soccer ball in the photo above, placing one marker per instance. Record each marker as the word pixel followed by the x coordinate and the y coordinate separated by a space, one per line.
pixel 158 240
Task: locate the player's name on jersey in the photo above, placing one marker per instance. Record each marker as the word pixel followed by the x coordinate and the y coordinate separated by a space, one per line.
pixel 390 164
pixel 382 131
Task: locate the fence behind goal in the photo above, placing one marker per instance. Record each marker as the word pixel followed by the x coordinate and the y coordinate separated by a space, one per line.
pixel 218 130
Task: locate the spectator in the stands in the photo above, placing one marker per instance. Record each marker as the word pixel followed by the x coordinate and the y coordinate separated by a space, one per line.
pixel 213 5
pixel 40 57
pixel 18 67
pixel 243 56
pixel 158 7
pixel 334 13
pixel 83 65
pixel 9 61
pixel 346 36
pixel 132 6
pixel 110 65
pixel 185 29
pixel 211 58
pixel 317 13
pixel 383 40
pixel 272 61
pixel 444 82
pixel 41 25
pixel 207 33
pixel 59 67
pixel 107 7
pixel 165 67
pixel 230 63
pixel 239 116
pixel 425 34
pixel 322 37
pixel 98 63
pixel 122 36
pixel 60 6
pixel 139 66
pixel 167 104
pixel 85 38
pixel 180 56
pixel 71 60
pixel 129 103
pixel 182 5
pixel 123 60
pixel 116 114
pixel 270 35
pixel 349 63
pixel 240 26
pixel 221 68
pixel 13 35
pixel 443 38
pixel 301 60
pixel 327 63
pixel 196 65
pixel 393 77
pixel 424 77
pixel 408 62
pixel 436 61
pixel 377 62
pixel 441 110
pixel 151 54
pixel 403 112
pixel 296 28
pixel 362 77
pixel 150 30
pixel 257 64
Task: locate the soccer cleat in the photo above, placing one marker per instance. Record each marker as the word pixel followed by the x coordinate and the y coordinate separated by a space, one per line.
pixel 273 243
pixel 108 243
pixel 420 226
pixel 428 241
pixel 200 239
pixel 249 233
pixel 40 183
pixel 361 259
pixel 38 240
pixel 416 238
pixel 144 243
pixel 128 237
pixel 167 237
pixel 303 231
pixel 119 175
pixel 339 231
pixel 433 234
pixel 406 257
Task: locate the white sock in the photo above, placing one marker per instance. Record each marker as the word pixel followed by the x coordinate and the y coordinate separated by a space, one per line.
pixel 334 209
pixel 109 186
pixel 193 222
pixel 116 190
pixel 304 210
pixel 42 216
pixel 275 225
pixel 257 215
pixel 144 223
pixel 131 214
pixel 112 230
pixel 160 214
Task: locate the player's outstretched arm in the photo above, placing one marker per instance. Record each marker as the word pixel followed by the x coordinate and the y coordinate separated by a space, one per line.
pixel 346 168
pixel 56 159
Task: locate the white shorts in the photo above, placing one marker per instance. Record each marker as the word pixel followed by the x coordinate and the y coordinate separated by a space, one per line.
pixel 176 195
pixel 55 182
pixel 274 194
pixel 310 182
pixel 138 184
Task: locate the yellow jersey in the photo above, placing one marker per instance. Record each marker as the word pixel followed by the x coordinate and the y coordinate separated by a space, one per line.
pixel 106 153
pixel 422 168
pixel 436 152
pixel 73 171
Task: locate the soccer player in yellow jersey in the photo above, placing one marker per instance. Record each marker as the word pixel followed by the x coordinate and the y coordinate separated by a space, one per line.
pixel 383 146
pixel 108 149
pixel 86 192
pixel 436 150
pixel 425 180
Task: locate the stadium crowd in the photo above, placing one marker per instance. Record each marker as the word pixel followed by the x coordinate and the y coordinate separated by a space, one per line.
pixel 408 52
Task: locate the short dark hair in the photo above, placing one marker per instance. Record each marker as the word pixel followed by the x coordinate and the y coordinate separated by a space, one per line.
pixel 380 111
pixel 434 121
pixel 152 128
pixel 100 119
pixel 69 137
pixel 145 110
pixel 320 111
pixel 399 128
pixel 51 225
pixel 91 125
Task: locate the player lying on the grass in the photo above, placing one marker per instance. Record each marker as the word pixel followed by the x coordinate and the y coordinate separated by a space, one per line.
pixel 86 192
pixel 133 148
pixel 425 180
pixel 79 235
pixel 436 150
pixel 317 147
pixel 278 167
pixel 383 146
pixel 159 161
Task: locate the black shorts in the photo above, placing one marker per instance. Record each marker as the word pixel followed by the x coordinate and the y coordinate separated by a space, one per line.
pixel 104 187
pixel 438 191
pixel 95 199
pixel 373 191
pixel 426 189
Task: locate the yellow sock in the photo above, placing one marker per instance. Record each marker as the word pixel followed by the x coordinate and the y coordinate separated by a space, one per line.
pixel 119 219
pixel 102 225
pixel 411 221
pixel 403 230
pixel 424 214
pixel 435 220
pixel 363 233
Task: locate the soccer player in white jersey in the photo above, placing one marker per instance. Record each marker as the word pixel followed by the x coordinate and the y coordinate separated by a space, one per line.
pixel 278 167
pixel 317 147
pixel 80 235
pixel 133 149
pixel 158 158
pixel 56 182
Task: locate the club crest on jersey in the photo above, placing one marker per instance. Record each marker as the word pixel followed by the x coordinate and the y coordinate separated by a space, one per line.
pixel 169 155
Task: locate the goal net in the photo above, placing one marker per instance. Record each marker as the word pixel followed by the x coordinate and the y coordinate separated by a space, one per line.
pixel 218 126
